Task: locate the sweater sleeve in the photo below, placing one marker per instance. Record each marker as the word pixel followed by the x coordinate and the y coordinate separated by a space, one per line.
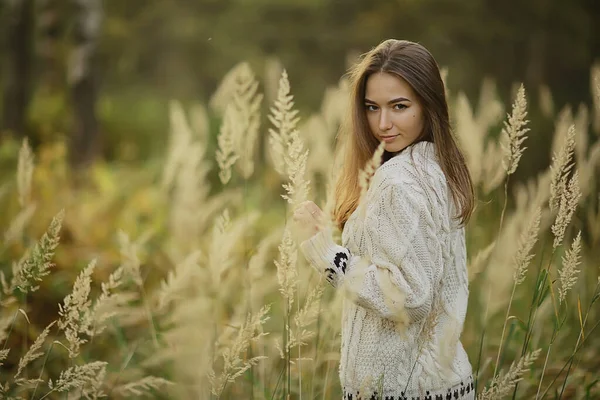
pixel 396 275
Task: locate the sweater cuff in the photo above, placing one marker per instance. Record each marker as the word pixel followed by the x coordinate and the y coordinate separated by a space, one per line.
pixel 329 258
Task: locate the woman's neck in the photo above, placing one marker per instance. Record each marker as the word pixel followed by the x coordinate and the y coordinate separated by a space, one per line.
pixel 387 156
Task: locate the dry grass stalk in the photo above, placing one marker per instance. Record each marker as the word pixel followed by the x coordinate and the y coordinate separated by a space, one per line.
pixel 569 271
pixel 303 318
pixel 37 262
pixel 185 171
pixel 33 353
pixel 179 280
pixel 367 386
pixel 93 390
pixel 477 262
pixel 320 130
pixel 328 209
pixel 335 104
pixel 287 148
pixel 472 129
pixel 5 322
pixel 24 173
pixel 200 123
pixel 528 240
pixel 284 118
pixel 470 135
pixel 353 282
pixel 395 299
pixel 78 376
pixel 568 203
pixel 190 206
pixel 142 387
pixel 228 86
pixel 514 132
pixel 562 123
pixel 533 192
pixel 4 387
pixel 188 345
pixel 295 160
pixel 560 168
pixel 521 259
pixel 129 256
pixel 106 306
pixel 444 76
pixel 262 255
pixel 227 235
pixel 546 101
pixel 218 257
pixel 234 364
pixel 309 311
pixel 225 154
pixel 270 77
pixel 492 158
pixel 17 226
pixel 3 355
pixel 180 138
pixel 365 175
pixel 247 102
pixel 191 196
pixel 512 139
pixel 502 385
pixel 318 140
pixel 289 157
pixel 448 346
pixel 75 312
pixel 490 110
pixel 287 274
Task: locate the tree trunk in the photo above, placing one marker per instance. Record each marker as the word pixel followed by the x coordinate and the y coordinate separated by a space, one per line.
pixel 85 141
pixel 51 21
pixel 18 65
pixel 536 64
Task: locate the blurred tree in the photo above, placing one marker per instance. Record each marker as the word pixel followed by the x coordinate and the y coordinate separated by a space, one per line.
pixel 82 79
pixel 51 26
pixel 17 59
pixel 185 48
pixel 150 51
pixel 53 17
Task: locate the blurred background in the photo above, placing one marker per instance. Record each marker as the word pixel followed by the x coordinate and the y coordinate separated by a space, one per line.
pixel 100 73
pixel 134 94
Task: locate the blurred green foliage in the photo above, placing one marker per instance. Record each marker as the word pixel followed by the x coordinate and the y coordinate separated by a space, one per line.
pixel 153 51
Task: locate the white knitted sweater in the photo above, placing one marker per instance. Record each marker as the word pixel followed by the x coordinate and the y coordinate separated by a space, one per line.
pixel 403 268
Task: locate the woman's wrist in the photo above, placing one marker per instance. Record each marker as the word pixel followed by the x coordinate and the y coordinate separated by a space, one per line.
pixel 326 256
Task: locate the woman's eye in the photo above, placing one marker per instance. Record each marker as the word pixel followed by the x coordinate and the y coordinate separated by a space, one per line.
pixel 370 107
pixel 399 106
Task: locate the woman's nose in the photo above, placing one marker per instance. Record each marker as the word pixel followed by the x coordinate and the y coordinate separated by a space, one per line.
pixel 385 122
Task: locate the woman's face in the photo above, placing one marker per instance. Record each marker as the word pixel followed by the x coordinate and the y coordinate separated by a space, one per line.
pixel 393 110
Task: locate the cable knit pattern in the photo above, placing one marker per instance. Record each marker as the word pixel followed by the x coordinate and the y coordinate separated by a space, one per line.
pixel 401 325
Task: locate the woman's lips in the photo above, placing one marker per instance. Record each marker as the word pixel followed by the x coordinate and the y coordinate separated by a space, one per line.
pixel 389 138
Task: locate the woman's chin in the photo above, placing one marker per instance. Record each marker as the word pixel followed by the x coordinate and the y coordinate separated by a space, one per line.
pixel 395 146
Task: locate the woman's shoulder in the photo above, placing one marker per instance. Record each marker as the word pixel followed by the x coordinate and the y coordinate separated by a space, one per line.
pixel 414 179
pixel 417 164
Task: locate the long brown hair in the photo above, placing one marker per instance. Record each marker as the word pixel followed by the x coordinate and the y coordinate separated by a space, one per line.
pixel 415 64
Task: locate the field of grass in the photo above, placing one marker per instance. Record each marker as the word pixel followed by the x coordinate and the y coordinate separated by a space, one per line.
pixel 180 277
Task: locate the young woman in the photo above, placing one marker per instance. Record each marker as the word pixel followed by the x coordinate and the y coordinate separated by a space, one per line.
pixel 403 259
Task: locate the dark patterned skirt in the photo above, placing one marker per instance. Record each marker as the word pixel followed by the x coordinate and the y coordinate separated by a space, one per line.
pixel 465 390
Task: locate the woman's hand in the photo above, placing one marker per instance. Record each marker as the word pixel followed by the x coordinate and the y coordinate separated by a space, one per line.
pixel 308 219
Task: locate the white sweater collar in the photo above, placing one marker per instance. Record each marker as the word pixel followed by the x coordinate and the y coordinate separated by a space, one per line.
pixel 423 148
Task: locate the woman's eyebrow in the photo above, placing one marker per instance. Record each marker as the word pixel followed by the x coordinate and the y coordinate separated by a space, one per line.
pixel 396 100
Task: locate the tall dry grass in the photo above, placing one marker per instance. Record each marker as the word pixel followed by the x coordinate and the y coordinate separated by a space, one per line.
pixel 182 279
